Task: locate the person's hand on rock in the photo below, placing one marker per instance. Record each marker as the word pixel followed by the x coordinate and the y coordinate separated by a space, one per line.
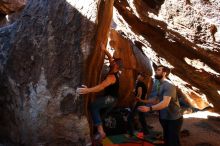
pixel 83 90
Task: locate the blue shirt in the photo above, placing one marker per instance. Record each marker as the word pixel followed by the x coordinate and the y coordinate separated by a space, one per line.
pixel 154 88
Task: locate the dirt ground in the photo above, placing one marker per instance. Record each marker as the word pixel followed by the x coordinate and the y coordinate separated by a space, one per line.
pixel 202 132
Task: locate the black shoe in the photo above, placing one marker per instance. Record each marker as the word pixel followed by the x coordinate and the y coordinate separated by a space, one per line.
pixel 150 127
pixel 146 132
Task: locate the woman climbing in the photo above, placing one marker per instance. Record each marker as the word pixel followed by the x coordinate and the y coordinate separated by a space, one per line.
pixel 110 85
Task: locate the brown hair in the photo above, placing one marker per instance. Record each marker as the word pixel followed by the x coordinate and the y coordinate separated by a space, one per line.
pixel 165 69
pixel 143 74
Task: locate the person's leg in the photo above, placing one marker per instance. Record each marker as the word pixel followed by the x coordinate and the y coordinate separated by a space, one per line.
pixel 130 123
pixel 143 122
pixel 174 128
pixel 95 108
pixel 164 125
pixel 100 103
pixel 101 131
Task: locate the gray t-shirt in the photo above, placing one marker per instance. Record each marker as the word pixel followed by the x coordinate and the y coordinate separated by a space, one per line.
pixel 173 111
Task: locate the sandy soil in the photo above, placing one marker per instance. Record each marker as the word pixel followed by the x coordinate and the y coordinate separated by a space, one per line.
pixel 202 132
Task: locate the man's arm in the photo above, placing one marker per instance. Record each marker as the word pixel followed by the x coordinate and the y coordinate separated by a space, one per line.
pixel 108 81
pixel 153 100
pixel 170 91
pixel 161 105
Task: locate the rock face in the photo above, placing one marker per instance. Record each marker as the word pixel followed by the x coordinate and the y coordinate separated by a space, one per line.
pixel 42 61
pixel 195 63
pixel 134 61
pixel 202 28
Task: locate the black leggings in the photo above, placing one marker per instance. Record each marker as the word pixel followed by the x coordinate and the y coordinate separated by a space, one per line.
pixel 171 131
pixel 142 120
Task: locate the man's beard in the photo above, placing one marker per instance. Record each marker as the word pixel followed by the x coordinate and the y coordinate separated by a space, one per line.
pixel 158 77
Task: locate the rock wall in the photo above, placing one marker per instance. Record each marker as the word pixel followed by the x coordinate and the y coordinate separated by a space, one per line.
pixel 43 58
pixel 195 64
pixel 134 61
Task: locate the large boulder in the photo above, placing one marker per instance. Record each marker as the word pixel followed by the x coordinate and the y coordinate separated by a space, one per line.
pixel 43 59
pixel 178 35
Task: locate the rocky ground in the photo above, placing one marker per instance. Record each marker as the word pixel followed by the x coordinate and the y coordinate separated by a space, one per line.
pixel 202 132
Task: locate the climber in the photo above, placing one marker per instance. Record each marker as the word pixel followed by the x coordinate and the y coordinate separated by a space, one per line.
pixel 170 115
pixel 110 85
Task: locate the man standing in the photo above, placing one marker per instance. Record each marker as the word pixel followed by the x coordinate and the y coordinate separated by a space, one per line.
pixel 170 115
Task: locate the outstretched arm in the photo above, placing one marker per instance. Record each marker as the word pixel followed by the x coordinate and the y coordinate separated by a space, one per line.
pixel 161 105
pixel 108 81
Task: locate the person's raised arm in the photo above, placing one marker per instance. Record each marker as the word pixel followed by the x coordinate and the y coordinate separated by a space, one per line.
pixel 110 58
